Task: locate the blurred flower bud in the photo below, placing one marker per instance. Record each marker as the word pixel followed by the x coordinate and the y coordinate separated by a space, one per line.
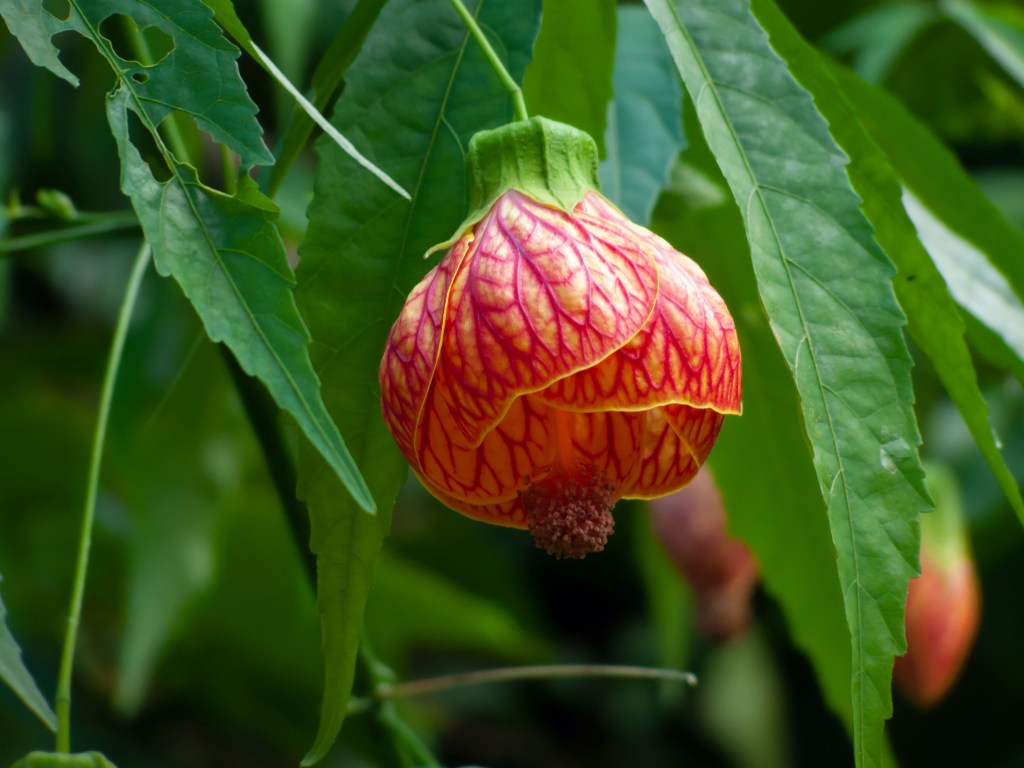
pixel 943 603
pixel 691 526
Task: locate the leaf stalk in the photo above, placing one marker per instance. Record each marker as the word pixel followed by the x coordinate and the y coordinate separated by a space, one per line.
pixel 518 102
pixel 63 699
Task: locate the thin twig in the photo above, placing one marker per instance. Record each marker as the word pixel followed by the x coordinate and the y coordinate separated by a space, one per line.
pixel 54 236
pixel 537 672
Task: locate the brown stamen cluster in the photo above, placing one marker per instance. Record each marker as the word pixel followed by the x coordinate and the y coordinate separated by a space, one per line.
pixel 570 515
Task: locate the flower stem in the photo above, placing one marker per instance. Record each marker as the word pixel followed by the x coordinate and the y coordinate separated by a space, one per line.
pixel 63 700
pixel 510 84
pixel 540 672
pixel 114 223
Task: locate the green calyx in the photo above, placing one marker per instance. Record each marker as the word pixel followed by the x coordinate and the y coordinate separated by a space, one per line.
pixel 551 162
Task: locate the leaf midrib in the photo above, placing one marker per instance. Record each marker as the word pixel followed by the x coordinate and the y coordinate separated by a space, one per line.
pixel 711 86
pixel 172 165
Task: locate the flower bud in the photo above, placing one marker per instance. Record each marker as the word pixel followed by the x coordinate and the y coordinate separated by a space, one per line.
pixel 943 603
pixel 559 357
pixel 691 526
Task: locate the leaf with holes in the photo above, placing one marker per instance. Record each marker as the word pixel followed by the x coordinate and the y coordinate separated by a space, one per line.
pixel 420 88
pixel 197 77
pixel 827 290
pixel 224 251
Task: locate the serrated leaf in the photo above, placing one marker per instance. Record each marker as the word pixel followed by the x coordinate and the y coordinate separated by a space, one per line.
pixel 34 27
pixel 420 88
pixel 644 132
pixel 228 257
pixel 14 672
pixel 999 29
pixel 826 289
pixel 570 77
pixel 933 173
pixel 225 252
pixel 783 522
pixel 933 319
pixel 198 77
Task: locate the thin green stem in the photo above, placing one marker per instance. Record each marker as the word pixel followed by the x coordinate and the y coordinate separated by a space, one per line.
pixel 63 700
pixel 407 738
pixel 404 739
pixel 506 79
pixel 62 235
pixel 539 672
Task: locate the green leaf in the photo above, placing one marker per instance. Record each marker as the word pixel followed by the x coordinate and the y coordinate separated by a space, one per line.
pixel 14 672
pixel 826 289
pixel 933 319
pixel 176 506
pixel 34 26
pixel 218 100
pixel 326 81
pixel 978 286
pixel 54 760
pixel 570 77
pixel 225 252
pixel 932 172
pixel 999 29
pixel 228 257
pixel 419 89
pixel 783 522
pixel 644 132
pixel 229 19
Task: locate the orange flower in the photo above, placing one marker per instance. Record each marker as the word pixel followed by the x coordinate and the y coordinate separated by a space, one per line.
pixel 943 603
pixel 559 357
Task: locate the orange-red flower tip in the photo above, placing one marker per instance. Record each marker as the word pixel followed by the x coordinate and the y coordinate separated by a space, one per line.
pixel 556 335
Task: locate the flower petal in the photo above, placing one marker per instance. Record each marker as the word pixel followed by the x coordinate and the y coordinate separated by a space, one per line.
pixel 540 298
pixel 411 351
pixel 525 444
pixel 509 513
pixel 677 440
pixel 495 470
pixel 688 352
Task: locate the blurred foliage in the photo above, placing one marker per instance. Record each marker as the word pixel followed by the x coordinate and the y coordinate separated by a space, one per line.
pixel 200 643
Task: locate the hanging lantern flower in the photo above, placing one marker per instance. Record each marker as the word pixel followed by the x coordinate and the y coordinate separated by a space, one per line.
pixel 559 357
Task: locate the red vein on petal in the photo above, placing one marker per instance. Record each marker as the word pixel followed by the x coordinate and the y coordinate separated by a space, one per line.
pixel 570 306
pixel 677 440
pixel 687 353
